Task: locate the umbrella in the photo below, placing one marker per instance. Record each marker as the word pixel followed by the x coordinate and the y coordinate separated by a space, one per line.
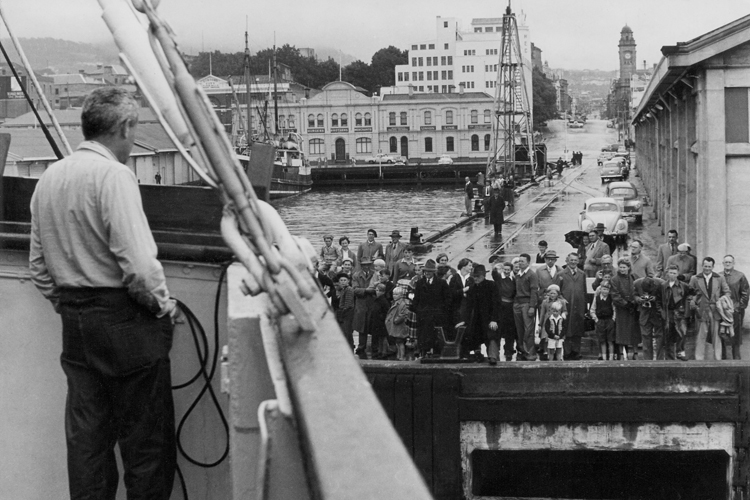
pixel 574 238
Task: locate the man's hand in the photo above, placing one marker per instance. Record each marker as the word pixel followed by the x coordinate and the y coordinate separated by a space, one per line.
pixel 175 313
pixel 493 326
pixel 532 311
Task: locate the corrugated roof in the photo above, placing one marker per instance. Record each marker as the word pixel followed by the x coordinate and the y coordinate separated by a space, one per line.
pixel 69 118
pixel 487 20
pixel 429 96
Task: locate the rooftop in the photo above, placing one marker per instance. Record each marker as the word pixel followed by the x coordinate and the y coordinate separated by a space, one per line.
pixel 68 118
pixel 430 96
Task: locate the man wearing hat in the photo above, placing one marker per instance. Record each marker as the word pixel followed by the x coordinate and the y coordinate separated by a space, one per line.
pixel 549 274
pixel 432 300
pixel 468 195
pixel 480 316
pixel 370 249
pixel 495 207
pixel 686 263
pixel 394 252
pixel 573 289
pixel 364 281
pixel 595 250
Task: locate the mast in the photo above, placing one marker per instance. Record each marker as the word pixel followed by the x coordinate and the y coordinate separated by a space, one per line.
pixel 248 101
pixel 275 95
pixel 512 125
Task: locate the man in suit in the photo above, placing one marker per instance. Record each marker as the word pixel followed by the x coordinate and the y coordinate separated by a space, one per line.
pixel 740 290
pixel 595 250
pixel 370 249
pixel 394 252
pixel 640 265
pixel 664 252
pixel 431 303
pixel 674 299
pixel 495 207
pixel 707 288
pixel 550 273
pixel 573 289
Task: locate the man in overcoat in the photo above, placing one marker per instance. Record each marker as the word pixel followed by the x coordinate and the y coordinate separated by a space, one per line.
pixel 573 289
pixel 481 314
pixel 496 206
pixel 394 252
pixel 740 290
pixel 595 250
pixel 707 288
pixel 432 301
pixel 664 252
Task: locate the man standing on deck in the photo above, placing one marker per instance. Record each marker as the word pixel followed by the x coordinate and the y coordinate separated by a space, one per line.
pixel 94 257
pixel 740 293
pixel 394 252
pixel 684 261
pixel 524 309
pixel 370 249
pixel 641 266
pixel 595 250
pixel 573 289
pixel 665 251
pixel 468 196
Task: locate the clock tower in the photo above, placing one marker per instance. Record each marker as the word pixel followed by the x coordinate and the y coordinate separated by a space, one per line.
pixel 627 53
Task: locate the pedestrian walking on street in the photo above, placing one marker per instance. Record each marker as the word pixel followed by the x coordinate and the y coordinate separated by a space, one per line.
pixel 740 290
pixel 496 208
pixel 468 196
pixel 627 328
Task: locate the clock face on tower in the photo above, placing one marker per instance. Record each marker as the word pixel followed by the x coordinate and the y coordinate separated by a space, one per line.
pixel 627 56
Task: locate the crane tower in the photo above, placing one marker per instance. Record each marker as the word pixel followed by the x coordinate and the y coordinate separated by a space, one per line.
pixel 513 135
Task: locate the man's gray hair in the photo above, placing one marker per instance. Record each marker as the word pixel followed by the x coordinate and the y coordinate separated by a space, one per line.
pixel 105 109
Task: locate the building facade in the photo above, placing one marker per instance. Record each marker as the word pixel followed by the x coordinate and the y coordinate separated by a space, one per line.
pixel 456 56
pixel 692 131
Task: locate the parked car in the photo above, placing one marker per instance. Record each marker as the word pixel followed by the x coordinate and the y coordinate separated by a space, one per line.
pixel 445 160
pixel 627 194
pixel 624 157
pixel 604 156
pixel 576 124
pixel 607 211
pixel 382 158
pixel 612 170
pixel 610 125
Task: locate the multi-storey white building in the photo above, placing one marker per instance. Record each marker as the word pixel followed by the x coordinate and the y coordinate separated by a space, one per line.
pixel 456 56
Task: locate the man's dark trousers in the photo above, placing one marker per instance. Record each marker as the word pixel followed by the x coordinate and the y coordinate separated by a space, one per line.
pixel 116 360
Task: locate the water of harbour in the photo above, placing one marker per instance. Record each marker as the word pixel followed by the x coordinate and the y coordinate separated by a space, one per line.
pixel 352 211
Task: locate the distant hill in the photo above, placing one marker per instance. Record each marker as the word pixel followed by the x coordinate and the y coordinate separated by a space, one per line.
pixel 63 56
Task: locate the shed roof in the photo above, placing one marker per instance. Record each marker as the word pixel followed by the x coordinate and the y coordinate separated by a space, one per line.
pixel 431 96
pixel 70 117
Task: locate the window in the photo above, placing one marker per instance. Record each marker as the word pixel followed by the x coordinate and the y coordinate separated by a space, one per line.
pixel 400 77
pixel 344 120
pixel 446 46
pixel 364 145
pixel 316 147
pixel 431 46
pixel 477 30
pixel 429 61
pixel 450 60
pixel 488 28
pixel 474 116
pixel 310 120
pixel 443 89
pixel 487 116
pixel 391 118
pixel 486 142
pixel 429 88
pixel 443 74
pixel 434 61
pixel 393 143
pixel 445 25
pixel 428 144
pixel 429 75
pixel 413 61
pixel 358 120
pixel 449 117
pixel 368 120
pixel 421 76
pixel 291 119
pixel 449 144
pixel 736 114
pixel 414 76
pixel 428 117
pixel 403 118
pixel 320 121
pixel 442 60
pixel 419 61
pixel 450 74
pixel 421 88
pixel 413 47
pixel 406 76
pixel 334 120
pixel 282 121
pixel 423 47
pixel 475 142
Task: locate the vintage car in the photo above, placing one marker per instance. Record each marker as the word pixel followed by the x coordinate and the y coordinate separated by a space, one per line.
pixel 627 194
pixel 622 157
pixel 612 170
pixel 604 156
pixel 382 158
pixel 576 124
pixel 445 160
pixel 607 211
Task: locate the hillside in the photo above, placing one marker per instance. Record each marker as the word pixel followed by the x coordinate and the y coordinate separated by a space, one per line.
pixel 62 55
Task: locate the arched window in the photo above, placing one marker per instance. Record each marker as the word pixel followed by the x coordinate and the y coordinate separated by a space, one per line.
pixel 449 144
pixel 368 119
pixel 428 117
pixel 428 144
pixel 334 120
pixel 320 121
pixel 358 120
pixel 486 142
pixel 487 116
pixel 290 121
pixel 474 116
pixel 449 117
pixel 403 118
pixel 364 145
pixel 310 120
pixel 475 142
pixel 391 118
pixel 344 120
pixel 393 142
pixel 317 147
pixel 282 121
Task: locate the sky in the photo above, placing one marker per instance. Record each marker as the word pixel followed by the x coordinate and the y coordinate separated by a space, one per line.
pixel 573 34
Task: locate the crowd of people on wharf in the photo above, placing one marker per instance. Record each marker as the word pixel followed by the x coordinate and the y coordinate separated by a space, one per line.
pixel 535 309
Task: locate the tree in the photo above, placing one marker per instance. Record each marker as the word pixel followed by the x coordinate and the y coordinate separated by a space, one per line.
pixel 384 64
pixel 545 98
pixel 360 74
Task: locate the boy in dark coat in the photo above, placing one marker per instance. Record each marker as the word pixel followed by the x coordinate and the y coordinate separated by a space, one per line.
pixel 377 328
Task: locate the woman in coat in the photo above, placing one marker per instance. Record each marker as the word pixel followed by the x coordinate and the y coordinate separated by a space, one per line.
pixel 627 328
pixel 496 206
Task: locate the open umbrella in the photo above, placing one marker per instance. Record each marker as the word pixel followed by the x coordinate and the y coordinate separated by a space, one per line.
pixel 574 238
